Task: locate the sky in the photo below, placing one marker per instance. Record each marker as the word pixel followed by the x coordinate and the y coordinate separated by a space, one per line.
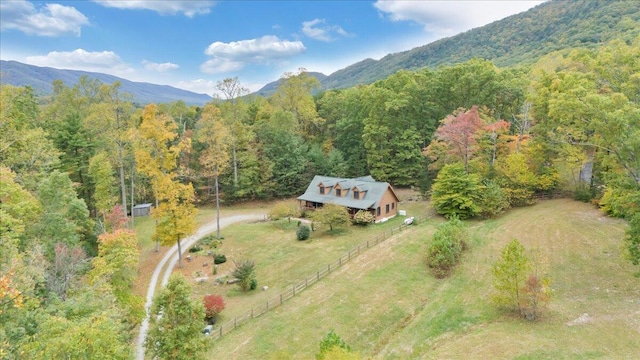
pixel 193 45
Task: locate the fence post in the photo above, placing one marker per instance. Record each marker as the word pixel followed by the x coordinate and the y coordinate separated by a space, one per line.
pixel 220 330
pixel 252 313
pixel 267 305
pixel 280 299
pixel 306 282
pixel 329 269
pixel 367 244
pixel 349 257
pixel 294 290
pixel 318 275
pixel 340 261
pixel 235 323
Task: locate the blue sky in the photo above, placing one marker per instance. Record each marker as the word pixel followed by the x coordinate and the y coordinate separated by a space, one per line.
pixel 194 44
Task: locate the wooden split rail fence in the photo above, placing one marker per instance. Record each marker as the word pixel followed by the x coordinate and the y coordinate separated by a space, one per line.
pixel 300 286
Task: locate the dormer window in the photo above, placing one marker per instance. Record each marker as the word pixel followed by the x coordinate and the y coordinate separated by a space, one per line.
pixel 339 192
pixel 356 194
pixel 321 190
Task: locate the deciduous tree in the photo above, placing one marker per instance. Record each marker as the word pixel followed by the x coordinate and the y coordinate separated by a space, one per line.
pixel 214 135
pixel 245 271
pixel 117 266
pixel 460 132
pixel 156 153
pixel 294 95
pixel 176 322
pixel 510 274
pixel 233 91
pixel 331 215
pixel 102 175
pixel 176 214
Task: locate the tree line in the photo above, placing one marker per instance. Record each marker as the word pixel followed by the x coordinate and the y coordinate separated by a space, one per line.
pixel 477 138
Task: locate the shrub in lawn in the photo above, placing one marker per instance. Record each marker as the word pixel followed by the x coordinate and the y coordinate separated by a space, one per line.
pixel 363 217
pixel 195 248
pixel 330 344
pixel 446 248
pixel 219 259
pixel 303 232
pixel 211 241
pixel 213 305
pixel 285 209
pixel 526 294
pixel 245 271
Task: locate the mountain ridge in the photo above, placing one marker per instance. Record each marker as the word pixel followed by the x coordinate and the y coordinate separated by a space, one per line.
pixel 41 80
pixel 518 39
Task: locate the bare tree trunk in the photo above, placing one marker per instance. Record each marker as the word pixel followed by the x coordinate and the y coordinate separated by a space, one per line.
pixel 133 223
pixel 217 205
pixel 156 196
pixel 524 125
pixel 235 163
pixel 179 254
pixel 123 187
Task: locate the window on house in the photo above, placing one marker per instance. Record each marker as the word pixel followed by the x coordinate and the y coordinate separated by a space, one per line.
pixel 338 192
pixel 356 194
pixel 322 190
pixel 386 209
pixel 393 206
pixel 378 211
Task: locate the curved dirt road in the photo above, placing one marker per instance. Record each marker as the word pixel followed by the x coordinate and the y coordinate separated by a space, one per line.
pixel 172 258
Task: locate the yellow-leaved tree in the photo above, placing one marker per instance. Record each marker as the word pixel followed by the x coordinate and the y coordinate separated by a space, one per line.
pixel 156 150
pixel 215 136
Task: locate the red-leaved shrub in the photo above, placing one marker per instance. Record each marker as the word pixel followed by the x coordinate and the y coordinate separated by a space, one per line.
pixel 213 305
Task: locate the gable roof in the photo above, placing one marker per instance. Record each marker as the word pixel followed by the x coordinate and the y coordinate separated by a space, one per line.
pixel 371 191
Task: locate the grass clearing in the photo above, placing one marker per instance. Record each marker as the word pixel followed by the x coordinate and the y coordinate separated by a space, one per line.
pixel 386 304
pixel 281 260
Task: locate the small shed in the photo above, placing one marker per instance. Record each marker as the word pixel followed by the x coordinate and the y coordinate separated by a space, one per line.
pixel 142 209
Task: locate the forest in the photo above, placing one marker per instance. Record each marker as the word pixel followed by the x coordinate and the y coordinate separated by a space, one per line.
pixel 475 138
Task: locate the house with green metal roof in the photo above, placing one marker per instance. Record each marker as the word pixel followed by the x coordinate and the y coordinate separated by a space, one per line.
pixel 362 193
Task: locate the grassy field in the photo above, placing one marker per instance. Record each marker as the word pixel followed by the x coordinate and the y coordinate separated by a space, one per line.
pixel 387 305
pixel 280 259
pixel 145 227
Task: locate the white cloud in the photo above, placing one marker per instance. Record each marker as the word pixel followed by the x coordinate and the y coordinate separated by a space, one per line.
pixel 318 29
pixel 446 18
pixel 165 7
pixel 48 20
pixel 104 62
pixel 159 67
pixel 233 56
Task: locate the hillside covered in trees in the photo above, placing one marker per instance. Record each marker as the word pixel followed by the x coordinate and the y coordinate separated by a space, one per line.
pixel 518 39
pixel 478 138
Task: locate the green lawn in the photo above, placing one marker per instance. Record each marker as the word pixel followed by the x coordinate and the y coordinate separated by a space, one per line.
pixel 281 260
pixel 387 305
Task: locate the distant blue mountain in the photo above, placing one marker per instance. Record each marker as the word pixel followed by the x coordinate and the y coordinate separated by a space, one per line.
pixel 41 79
